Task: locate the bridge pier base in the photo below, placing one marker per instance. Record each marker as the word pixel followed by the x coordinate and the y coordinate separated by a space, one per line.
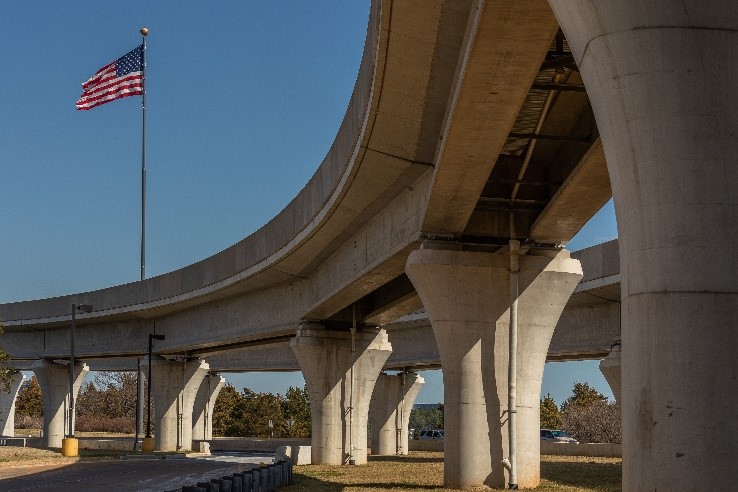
pixel 202 410
pixel 661 79
pixel 54 382
pixel 389 408
pixel 7 406
pixel 610 368
pixel 174 386
pixel 467 297
pixel 340 382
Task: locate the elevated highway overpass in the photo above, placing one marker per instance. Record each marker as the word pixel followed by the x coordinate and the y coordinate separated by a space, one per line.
pixel 475 126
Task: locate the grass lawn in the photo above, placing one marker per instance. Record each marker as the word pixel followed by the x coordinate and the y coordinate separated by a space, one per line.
pixel 423 472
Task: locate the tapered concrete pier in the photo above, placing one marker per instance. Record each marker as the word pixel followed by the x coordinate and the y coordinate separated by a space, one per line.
pixel 661 76
pixel 202 410
pixel 467 297
pixel 7 405
pixel 54 382
pixel 174 386
pixel 610 367
pixel 340 382
pixel 390 406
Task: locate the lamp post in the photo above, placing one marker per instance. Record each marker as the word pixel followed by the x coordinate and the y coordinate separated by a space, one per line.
pixel 148 442
pixel 69 445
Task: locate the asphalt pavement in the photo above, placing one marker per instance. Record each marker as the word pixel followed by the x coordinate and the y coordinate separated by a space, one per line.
pixel 140 475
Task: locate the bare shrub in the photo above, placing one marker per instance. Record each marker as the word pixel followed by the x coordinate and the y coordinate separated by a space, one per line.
pixel 92 423
pixel 597 422
pixel 28 422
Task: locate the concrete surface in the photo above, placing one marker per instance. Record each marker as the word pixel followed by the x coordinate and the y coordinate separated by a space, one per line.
pixel 606 450
pixel 300 455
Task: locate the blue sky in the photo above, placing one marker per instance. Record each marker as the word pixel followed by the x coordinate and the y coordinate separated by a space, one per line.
pixel 243 101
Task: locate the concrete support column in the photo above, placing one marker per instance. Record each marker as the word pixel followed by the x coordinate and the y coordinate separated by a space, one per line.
pixel 389 409
pixel 202 411
pixel 610 368
pixel 661 78
pixel 54 382
pixel 7 406
pixel 340 382
pixel 174 386
pixel 467 297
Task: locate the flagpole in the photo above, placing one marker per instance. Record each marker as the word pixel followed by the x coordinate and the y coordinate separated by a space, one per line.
pixel 144 31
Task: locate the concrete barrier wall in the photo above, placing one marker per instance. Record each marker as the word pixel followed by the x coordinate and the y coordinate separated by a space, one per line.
pixel 590 449
pixel 250 443
pixel 417 445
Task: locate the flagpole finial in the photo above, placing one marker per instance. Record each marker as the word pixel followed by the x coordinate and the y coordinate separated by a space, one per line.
pixel 144 31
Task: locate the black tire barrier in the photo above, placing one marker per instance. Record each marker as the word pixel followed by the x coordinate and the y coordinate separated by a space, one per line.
pixel 264 478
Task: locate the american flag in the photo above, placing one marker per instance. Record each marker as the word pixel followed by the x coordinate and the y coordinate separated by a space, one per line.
pixel 122 78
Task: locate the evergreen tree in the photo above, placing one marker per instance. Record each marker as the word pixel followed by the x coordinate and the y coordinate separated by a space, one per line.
pixel 30 402
pixel 584 396
pixel 550 415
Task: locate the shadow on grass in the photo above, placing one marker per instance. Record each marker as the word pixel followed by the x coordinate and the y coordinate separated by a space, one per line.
pixel 406 459
pixel 314 484
pixel 599 476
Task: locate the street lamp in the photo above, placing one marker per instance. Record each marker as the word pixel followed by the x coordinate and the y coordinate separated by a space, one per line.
pixel 69 448
pixel 148 443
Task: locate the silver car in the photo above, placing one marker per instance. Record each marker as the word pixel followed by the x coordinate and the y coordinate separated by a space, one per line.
pixel 560 436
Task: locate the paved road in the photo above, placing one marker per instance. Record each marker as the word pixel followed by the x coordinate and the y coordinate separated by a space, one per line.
pixel 129 475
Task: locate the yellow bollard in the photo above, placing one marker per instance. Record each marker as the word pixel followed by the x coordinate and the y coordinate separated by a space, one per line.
pixel 147 446
pixel 70 447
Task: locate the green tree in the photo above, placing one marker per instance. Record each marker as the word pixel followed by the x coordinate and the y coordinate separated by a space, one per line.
pixel 426 418
pixel 225 404
pixel 296 407
pixel 584 395
pixel 550 415
pixel 6 371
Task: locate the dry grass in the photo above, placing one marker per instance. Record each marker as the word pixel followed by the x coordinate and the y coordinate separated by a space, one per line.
pixel 423 472
pixel 11 456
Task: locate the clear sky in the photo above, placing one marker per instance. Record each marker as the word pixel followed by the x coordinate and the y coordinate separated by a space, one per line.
pixel 243 101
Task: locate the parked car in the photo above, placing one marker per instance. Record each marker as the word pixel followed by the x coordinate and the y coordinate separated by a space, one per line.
pixel 551 435
pixel 431 435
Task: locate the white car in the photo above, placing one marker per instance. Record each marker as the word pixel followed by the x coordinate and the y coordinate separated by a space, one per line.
pixel 550 435
pixel 431 435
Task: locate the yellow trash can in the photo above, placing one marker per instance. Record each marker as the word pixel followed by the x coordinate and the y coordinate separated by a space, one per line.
pixel 147 446
pixel 70 447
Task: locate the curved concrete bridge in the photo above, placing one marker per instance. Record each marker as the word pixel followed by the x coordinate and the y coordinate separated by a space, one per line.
pixel 475 125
